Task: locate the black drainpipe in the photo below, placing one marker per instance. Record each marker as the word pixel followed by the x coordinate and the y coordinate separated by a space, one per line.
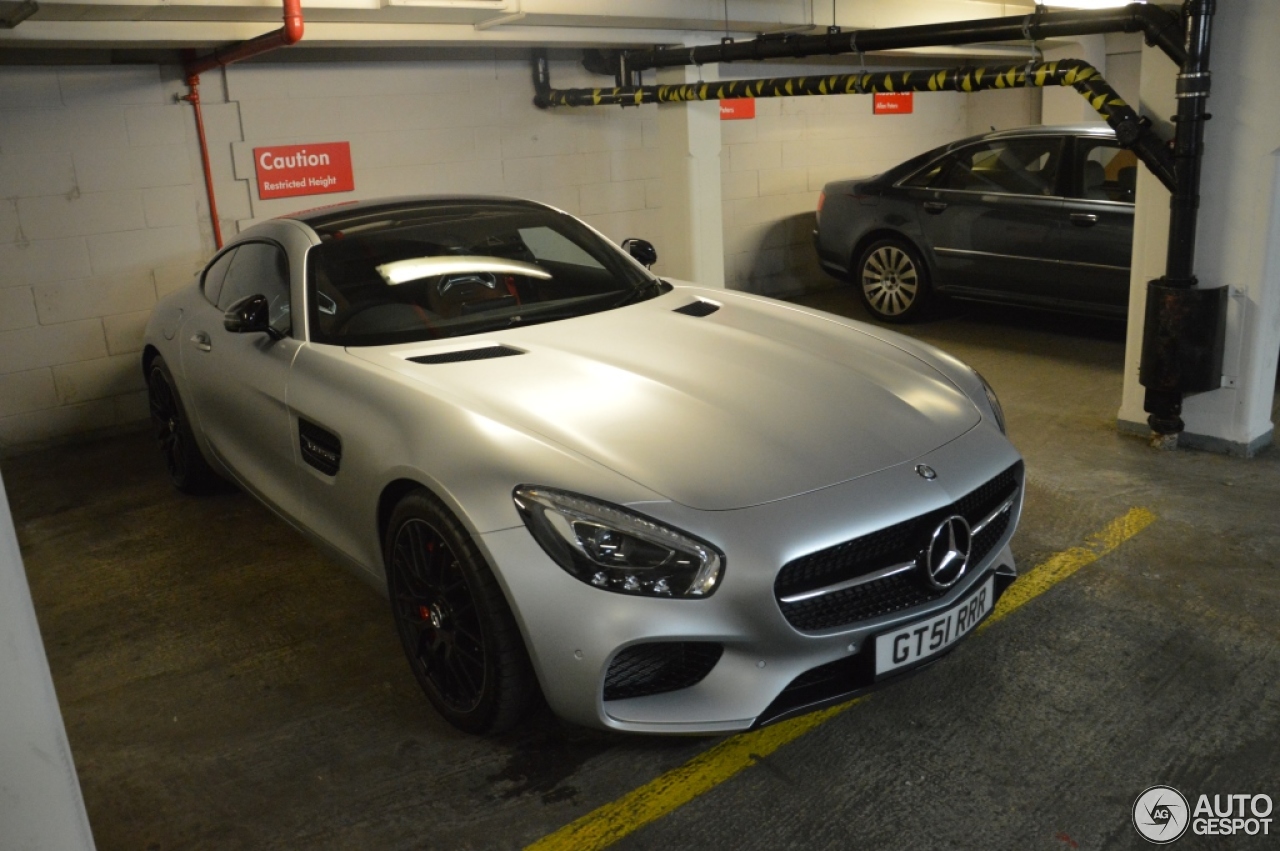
pixel 1159 24
pixel 1185 329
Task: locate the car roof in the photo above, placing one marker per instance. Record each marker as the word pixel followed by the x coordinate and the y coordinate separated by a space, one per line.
pixel 367 214
pixel 1052 130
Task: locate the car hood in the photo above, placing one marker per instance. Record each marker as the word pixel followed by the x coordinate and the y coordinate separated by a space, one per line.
pixel 753 403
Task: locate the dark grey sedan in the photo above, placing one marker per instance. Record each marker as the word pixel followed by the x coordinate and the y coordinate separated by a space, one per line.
pixel 1039 216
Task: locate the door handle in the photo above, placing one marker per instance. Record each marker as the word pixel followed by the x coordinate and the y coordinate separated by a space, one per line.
pixel 934 207
pixel 1084 220
pixel 202 341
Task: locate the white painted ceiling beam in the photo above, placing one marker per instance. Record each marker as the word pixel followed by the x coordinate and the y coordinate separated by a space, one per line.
pixel 495 23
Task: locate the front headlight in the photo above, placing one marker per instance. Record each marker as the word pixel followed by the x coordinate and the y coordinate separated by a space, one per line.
pixel 618 550
pixel 996 410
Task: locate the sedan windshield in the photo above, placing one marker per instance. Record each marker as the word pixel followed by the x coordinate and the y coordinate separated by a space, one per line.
pixel 448 269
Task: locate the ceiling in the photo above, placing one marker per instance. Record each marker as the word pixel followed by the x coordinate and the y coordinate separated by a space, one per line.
pixel 203 24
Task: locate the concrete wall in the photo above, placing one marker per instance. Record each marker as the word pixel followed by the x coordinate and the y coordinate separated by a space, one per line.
pixel 97 219
pixel 1238 238
pixel 102 203
pixel 103 211
pixel 775 165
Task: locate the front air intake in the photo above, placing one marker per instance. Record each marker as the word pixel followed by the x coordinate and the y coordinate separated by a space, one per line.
pixel 645 669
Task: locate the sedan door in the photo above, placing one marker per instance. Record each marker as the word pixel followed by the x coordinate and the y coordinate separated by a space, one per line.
pixel 990 212
pixel 238 383
pixel 1097 234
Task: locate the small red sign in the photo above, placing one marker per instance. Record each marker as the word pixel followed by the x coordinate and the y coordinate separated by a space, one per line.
pixel 737 109
pixel 287 170
pixel 892 103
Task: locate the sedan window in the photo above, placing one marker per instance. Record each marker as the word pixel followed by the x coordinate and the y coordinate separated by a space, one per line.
pixel 1011 166
pixel 1107 172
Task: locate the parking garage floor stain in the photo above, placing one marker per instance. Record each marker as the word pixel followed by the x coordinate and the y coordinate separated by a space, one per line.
pixel 225 686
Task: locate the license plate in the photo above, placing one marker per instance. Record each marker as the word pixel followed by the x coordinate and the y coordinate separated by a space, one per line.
pixel 923 639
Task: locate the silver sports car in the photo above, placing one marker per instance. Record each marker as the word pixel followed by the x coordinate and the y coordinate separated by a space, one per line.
pixel 669 509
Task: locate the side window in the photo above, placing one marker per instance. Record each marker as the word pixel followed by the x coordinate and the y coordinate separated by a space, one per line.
pixel 259 269
pixel 1107 172
pixel 546 244
pixel 214 275
pixel 929 175
pixel 1016 166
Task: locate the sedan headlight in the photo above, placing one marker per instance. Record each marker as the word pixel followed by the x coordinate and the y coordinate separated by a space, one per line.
pixel 618 550
pixel 996 410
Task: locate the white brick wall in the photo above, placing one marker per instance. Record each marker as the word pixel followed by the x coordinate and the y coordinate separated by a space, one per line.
pixel 103 208
pixel 775 165
pixel 100 194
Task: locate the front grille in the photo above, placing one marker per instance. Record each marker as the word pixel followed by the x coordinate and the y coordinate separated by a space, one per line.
pixel 645 669
pixel 896 544
pixel 863 602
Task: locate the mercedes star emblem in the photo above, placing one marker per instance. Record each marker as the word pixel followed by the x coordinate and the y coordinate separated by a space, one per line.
pixel 947 556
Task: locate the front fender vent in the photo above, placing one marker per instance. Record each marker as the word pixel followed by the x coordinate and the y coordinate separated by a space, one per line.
pixel 321 449
pixel 483 353
pixel 698 308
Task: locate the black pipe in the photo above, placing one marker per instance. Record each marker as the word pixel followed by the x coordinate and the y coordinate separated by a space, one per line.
pixel 1160 26
pixel 1173 363
pixel 1132 131
pixel 1192 93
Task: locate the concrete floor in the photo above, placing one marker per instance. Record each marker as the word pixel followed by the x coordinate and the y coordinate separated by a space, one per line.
pixel 224 686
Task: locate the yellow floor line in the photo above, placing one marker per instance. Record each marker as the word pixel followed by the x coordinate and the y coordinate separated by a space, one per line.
pixel 608 824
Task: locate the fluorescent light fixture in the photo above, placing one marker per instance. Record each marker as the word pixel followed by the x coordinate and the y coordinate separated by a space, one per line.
pixel 1089 4
pixel 417 268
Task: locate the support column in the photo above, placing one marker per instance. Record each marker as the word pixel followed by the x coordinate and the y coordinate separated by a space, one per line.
pixel 1238 243
pixel 692 246
pixel 41 807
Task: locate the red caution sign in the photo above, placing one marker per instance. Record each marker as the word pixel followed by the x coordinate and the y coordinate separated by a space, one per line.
pixel 287 170
pixel 892 103
pixel 737 109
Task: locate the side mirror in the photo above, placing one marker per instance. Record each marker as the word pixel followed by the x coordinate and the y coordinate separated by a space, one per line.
pixel 250 315
pixel 642 250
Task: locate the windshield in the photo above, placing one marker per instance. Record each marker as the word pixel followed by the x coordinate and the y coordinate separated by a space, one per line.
pixel 450 269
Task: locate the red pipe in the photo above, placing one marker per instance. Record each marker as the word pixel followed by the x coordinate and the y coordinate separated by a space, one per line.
pixel 289 34
pixel 193 98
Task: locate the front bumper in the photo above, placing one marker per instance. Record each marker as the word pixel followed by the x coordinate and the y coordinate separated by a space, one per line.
pixel 768 668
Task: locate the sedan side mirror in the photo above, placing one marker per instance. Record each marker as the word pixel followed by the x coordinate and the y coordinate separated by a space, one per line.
pixel 250 315
pixel 642 250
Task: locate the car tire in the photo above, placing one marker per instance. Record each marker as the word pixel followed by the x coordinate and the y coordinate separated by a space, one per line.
pixel 188 470
pixel 454 623
pixel 893 281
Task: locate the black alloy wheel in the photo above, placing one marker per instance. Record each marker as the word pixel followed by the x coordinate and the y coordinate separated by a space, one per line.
pixel 188 471
pixel 892 281
pixel 454 623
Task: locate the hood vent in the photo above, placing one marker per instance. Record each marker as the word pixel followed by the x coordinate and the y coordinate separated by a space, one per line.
pixel 698 308
pixel 483 353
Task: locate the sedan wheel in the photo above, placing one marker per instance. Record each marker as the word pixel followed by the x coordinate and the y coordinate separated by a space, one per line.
pixel 892 281
pixel 188 470
pixel 454 623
